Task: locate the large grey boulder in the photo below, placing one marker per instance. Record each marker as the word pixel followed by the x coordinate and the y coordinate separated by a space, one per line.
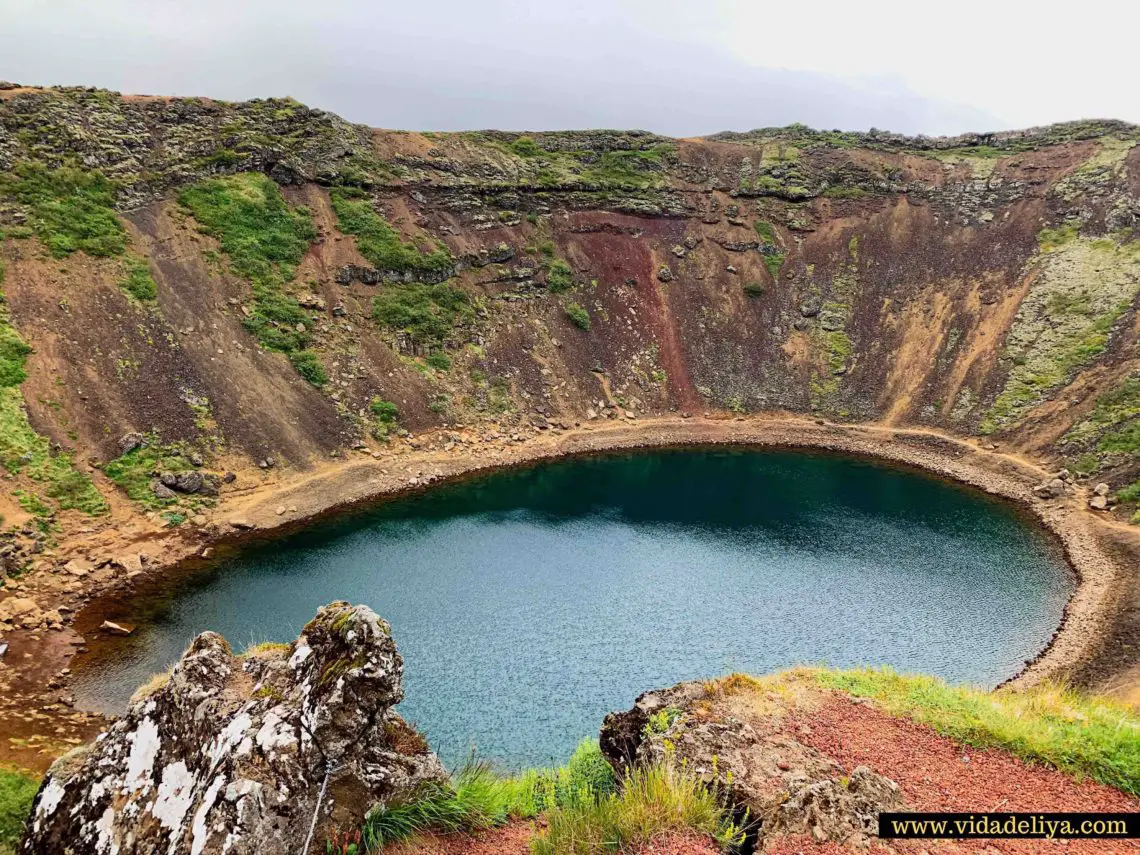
pixel 229 754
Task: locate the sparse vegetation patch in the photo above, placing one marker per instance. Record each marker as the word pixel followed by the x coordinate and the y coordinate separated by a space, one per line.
pixel 264 240
pixel 381 244
pixel 70 209
pixel 427 314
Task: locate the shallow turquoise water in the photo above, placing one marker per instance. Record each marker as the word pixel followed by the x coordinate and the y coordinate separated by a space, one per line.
pixel 528 604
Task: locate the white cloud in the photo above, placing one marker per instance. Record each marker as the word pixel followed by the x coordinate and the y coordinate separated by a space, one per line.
pixel 677 67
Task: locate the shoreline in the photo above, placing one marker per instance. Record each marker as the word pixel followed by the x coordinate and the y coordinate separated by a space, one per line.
pixel 271 511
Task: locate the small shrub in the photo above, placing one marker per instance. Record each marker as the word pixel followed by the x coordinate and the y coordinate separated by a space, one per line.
pixel 525 147
pixel 662 720
pixel 754 289
pixel 385 411
pixel 1131 493
pixel 308 365
pixel 559 276
pixel 138 282
pixel 578 316
pixel 439 360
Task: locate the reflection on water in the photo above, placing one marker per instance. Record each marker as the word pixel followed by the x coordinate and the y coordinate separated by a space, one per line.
pixel 528 604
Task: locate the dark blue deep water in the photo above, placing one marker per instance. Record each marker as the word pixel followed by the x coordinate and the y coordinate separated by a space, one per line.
pixel 528 604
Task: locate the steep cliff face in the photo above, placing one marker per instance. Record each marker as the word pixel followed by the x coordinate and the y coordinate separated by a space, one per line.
pixel 193 285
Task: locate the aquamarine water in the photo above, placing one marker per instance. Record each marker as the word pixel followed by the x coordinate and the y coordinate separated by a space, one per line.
pixel 527 604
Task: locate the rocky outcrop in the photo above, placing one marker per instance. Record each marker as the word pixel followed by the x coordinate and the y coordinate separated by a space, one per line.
pixel 776 785
pixel 230 753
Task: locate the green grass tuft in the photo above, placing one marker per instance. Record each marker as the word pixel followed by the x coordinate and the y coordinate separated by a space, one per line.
pixel 578 316
pixel 559 276
pixel 1084 736
pixel 478 798
pixel 308 365
pixel 653 801
pixel 137 281
pixel 17 789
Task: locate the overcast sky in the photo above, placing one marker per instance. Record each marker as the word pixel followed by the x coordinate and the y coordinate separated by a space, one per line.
pixel 679 68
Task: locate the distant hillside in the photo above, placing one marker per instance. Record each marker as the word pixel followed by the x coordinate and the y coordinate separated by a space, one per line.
pixel 193 287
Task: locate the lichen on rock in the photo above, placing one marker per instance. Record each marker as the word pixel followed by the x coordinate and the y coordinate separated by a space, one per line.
pixel 229 755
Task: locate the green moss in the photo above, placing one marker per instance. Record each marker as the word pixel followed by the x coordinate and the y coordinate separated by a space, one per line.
pixel 381 244
pixel 839 192
pixel 1064 322
pixel 428 314
pixel 839 350
pixel 70 210
pixel 774 262
pixel 134 471
pixel 264 240
pixel 765 231
pixel 1051 239
pixel 137 281
pixel 13 351
pixel 578 316
pixel 1113 425
pixel 17 790
pixel 25 452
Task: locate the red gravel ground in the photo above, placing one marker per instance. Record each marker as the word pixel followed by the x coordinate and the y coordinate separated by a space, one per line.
pixel 938 774
pixel 514 839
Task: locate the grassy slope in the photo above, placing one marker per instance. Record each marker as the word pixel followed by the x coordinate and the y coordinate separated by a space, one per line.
pixel 1084 736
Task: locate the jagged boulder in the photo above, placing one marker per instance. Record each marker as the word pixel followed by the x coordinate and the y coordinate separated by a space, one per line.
pixel 776 785
pixel 229 753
